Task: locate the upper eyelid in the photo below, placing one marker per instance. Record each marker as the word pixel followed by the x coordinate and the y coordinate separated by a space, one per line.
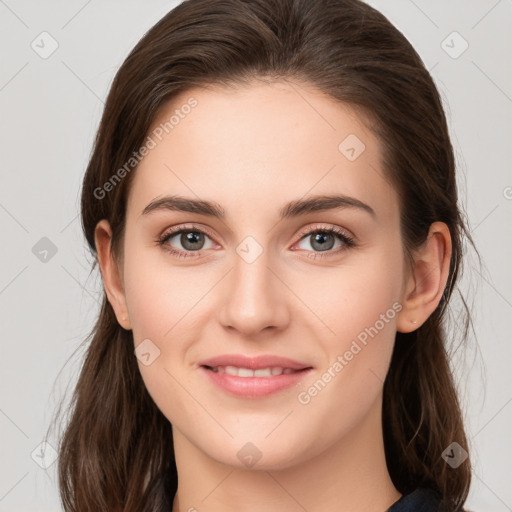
pixel 174 231
pixel 318 227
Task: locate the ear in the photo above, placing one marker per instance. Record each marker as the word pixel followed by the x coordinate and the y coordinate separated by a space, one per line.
pixel 426 281
pixel 110 273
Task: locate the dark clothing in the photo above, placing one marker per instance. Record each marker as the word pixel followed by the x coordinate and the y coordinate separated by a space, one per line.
pixel 420 500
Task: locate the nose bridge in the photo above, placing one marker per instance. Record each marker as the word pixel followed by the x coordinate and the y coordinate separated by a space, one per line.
pixel 254 299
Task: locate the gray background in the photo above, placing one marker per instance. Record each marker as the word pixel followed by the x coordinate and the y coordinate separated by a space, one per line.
pixel 49 110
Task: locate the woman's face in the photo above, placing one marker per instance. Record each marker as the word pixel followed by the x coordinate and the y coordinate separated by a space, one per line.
pixel 264 279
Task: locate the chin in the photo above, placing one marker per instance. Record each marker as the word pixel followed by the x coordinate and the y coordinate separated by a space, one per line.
pixel 259 455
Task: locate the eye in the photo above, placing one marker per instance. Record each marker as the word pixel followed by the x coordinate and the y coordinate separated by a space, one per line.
pixel 191 239
pixel 324 239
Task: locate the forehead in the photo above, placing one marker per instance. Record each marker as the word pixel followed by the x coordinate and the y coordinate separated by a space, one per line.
pixel 261 144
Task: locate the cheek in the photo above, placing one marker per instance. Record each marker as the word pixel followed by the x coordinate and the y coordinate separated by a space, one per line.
pixel 158 296
pixel 360 306
pixel 370 303
pixel 162 304
pixel 370 323
pixel 353 297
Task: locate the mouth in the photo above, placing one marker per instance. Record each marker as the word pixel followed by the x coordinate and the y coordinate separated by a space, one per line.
pixel 235 371
pixel 254 377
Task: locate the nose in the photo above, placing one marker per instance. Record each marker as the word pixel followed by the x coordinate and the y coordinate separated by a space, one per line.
pixel 255 298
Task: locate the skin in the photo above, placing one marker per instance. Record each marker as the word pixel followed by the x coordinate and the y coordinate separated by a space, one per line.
pixel 252 149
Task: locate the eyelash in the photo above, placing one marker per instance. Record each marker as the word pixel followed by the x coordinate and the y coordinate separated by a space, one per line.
pixel 348 241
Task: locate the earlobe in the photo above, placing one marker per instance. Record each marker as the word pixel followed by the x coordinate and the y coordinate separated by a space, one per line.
pixel 427 279
pixel 110 273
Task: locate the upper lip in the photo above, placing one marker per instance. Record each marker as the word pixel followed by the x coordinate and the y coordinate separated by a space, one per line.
pixel 253 363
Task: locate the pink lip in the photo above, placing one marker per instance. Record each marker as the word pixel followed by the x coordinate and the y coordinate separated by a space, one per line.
pixel 254 387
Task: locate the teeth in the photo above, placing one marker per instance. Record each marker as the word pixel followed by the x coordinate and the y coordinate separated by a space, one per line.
pixel 244 372
pixel 231 370
pixel 247 372
pixel 263 372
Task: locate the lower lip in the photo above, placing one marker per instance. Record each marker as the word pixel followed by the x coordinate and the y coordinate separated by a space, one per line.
pixel 254 387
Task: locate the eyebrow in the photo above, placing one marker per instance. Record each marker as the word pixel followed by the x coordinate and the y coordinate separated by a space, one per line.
pixel 294 208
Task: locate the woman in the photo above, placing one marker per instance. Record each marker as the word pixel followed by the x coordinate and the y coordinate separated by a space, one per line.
pixel 272 203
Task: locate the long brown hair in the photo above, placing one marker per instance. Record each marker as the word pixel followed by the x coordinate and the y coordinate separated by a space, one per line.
pixel 117 451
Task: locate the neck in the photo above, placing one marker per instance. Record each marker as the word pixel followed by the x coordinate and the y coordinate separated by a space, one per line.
pixel 350 476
